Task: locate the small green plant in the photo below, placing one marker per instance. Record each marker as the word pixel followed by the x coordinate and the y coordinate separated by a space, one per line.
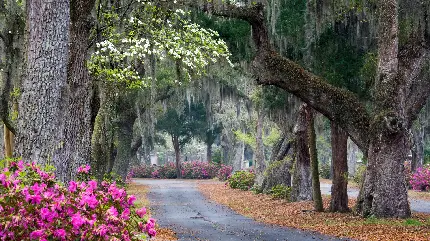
pixel 412 222
pixel 243 180
pixel 280 191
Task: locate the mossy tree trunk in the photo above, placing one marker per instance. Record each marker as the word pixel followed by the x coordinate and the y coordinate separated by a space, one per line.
pixel 316 190
pixel 260 162
pixel 124 154
pixel 339 194
pixel 301 189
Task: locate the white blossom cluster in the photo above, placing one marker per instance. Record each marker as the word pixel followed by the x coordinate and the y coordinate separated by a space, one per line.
pixel 175 37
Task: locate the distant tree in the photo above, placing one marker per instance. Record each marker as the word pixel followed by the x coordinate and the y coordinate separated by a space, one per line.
pixel 182 127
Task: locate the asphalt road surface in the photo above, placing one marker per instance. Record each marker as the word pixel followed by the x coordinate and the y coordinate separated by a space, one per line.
pixel 178 205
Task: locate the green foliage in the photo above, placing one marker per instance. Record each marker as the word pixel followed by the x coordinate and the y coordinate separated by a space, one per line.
pixel 217 156
pixel 242 180
pixel 359 174
pixel 236 33
pixel 280 191
pixel 325 170
pixel 339 62
pixel 113 177
pixel 291 25
pixel 183 125
pixel 247 138
pixel 369 69
pixel 273 165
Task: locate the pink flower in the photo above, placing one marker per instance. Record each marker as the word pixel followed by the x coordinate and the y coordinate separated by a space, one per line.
pixel 36 234
pixel 141 212
pixel 152 232
pixel 84 169
pixel 125 215
pixel 131 200
pixel 60 233
pixel 112 211
pixel 92 184
pixel 90 200
pixel 77 220
pixel 73 186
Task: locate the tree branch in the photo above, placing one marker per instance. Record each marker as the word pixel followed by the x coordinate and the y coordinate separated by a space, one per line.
pixel 270 68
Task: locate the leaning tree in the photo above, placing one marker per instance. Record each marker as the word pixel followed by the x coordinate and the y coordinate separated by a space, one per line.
pixel 400 90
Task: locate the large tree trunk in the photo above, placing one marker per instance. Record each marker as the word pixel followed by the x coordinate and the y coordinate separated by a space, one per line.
pixel 316 190
pixel 42 104
pixel 176 146
pixel 301 189
pixel 209 152
pixel 278 172
pixel 260 162
pixel 123 156
pixel 102 145
pixel 238 158
pixel 384 192
pixel 339 195
pixel 76 150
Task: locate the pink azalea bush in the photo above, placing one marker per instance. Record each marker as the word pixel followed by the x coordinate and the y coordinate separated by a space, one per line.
pixel 420 180
pixel 143 171
pixel 224 172
pixel 34 206
pixel 189 170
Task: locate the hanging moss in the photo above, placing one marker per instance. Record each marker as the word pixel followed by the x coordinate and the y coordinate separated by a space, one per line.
pixel 339 62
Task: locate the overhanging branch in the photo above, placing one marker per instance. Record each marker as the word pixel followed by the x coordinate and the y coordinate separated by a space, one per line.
pixel 270 68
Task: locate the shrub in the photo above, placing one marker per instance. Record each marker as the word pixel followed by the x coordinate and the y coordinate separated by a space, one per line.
pixel 243 180
pixel 33 206
pixel 359 174
pixel 420 180
pixel 142 171
pixel 280 191
pixel 198 170
pixel 189 170
pixel 167 170
pixel 325 170
pixel 224 172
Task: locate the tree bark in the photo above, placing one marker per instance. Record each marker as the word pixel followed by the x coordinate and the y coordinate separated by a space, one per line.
pixel 301 189
pixel 8 142
pixel 42 104
pixel 384 191
pixel 260 162
pixel 316 189
pixel 418 147
pixel 124 154
pixel 176 146
pixel 209 152
pixel 76 150
pixel 278 172
pixel 339 195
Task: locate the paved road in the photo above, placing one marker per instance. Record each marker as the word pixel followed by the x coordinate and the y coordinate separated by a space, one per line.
pixel 416 205
pixel 178 205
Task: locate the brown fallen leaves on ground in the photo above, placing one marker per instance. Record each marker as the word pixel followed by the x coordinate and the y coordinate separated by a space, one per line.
pixel 264 208
pixel 140 192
